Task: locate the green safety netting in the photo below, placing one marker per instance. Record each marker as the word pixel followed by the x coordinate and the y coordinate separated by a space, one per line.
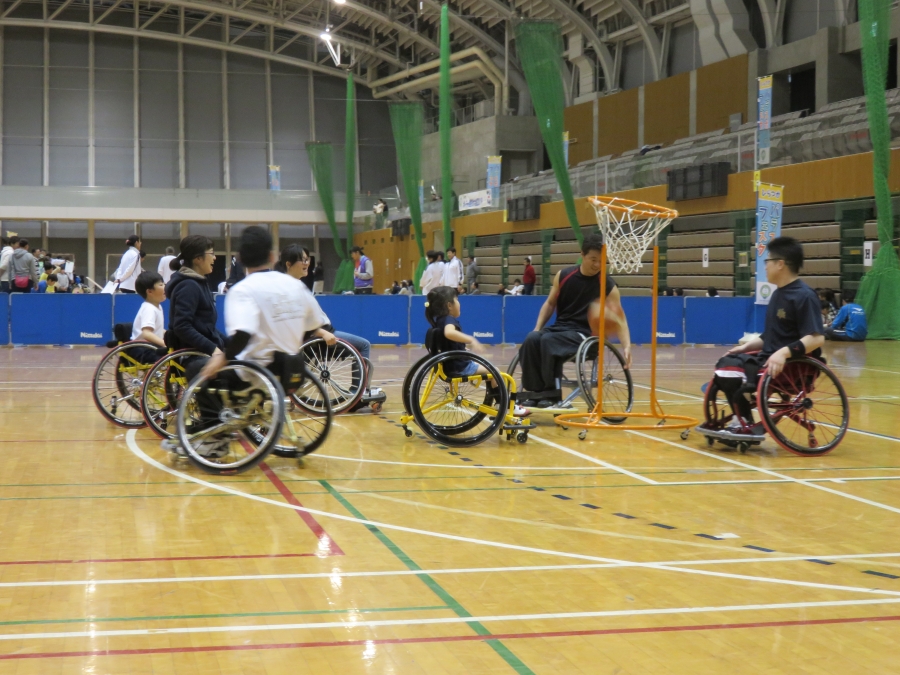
pixel 320 159
pixel 444 120
pixel 879 290
pixel 407 119
pixel 350 157
pixel 539 46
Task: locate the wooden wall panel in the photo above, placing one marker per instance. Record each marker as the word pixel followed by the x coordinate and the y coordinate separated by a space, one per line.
pixel 721 92
pixel 667 109
pixel 618 123
pixel 578 120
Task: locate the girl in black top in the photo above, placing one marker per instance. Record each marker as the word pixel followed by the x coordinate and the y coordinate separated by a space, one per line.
pixel 442 312
pixel 192 315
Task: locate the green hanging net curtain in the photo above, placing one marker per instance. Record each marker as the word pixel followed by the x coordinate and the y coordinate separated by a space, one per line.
pixel 539 46
pixel 879 290
pixel 407 121
pixel 350 158
pixel 320 159
pixel 444 120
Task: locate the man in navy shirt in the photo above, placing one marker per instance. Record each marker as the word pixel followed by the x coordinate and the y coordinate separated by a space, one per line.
pixel 793 328
pixel 850 323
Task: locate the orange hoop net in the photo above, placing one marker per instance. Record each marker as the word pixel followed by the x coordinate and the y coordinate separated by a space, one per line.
pixel 628 228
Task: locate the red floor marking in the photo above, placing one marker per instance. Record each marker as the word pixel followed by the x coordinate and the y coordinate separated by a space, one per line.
pixel 185 557
pixel 311 523
pixel 445 638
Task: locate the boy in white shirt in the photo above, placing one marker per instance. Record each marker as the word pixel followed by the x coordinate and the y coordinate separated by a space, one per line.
pixel 433 276
pixel 149 324
pixel 453 270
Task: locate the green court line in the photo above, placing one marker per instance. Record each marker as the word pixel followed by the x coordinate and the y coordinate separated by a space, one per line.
pixel 502 650
pixel 178 617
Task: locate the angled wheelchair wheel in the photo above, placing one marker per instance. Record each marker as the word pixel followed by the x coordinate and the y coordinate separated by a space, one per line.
pixel 163 387
pixel 304 432
pixel 805 408
pixel 342 372
pixel 716 408
pixel 618 388
pixel 230 423
pixel 407 382
pixel 457 411
pixel 117 384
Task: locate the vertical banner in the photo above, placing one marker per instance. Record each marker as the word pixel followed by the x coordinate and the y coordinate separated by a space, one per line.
pixel 493 177
pixel 706 257
pixel 565 154
pixel 421 196
pixel 768 226
pixel 764 115
pixel 274 177
pixel 868 253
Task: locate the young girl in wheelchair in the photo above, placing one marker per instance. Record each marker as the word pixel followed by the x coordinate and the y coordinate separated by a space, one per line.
pixel 442 311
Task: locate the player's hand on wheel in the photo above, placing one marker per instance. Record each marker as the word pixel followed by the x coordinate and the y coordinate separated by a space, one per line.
pixel 775 364
pixel 215 363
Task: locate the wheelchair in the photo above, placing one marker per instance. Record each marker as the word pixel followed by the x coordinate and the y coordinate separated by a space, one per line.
pixel 162 389
pixel 120 375
pixel 460 410
pixel 580 376
pixel 345 375
pixel 230 423
pixel 804 409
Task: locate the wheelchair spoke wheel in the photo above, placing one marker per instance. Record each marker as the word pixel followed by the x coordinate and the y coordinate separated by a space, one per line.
pixel 341 371
pixel 117 384
pixel 163 388
pixel 805 408
pixel 618 388
pixel 408 379
pixel 303 431
pixel 458 411
pixel 230 423
pixel 569 381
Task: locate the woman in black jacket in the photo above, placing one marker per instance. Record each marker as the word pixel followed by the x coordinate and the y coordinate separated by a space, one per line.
pixel 192 315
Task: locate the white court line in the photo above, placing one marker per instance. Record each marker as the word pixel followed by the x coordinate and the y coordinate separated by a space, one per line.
pixel 136 450
pixel 460 466
pixel 447 620
pixel 862 557
pixel 636 476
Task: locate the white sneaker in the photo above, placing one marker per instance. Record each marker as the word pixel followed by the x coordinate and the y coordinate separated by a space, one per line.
pixel 374 391
pixel 519 411
pixel 174 446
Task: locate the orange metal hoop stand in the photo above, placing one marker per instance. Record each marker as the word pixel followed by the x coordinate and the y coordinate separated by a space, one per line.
pixel 594 419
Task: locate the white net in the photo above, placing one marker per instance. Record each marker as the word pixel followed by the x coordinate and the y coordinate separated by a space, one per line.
pixel 628 228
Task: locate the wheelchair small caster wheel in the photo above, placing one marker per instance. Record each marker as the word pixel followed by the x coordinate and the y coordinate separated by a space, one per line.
pixel 685 434
pixel 582 434
pixel 743 447
pixel 710 441
pixel 408 432
pixel 522 437
pixel 376 407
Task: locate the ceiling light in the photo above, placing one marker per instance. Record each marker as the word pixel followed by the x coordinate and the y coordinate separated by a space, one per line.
pixel 340 2
pixel 326 36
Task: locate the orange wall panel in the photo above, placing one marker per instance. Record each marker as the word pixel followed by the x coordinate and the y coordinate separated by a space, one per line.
pixel 667 109
pixel 578 120
pixel 617 123
pixel 721 92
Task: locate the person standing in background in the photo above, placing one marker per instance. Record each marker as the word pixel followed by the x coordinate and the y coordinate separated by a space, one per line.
pixel 472 273
pixel 433 275
pixel 363 273
pixel 130 265
pixel 528 278
pixel 164 270
pixel 453 270
pixel 23 274
pixel 5 256
pixel 309 279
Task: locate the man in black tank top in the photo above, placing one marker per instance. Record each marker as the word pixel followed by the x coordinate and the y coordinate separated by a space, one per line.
pixel 546 348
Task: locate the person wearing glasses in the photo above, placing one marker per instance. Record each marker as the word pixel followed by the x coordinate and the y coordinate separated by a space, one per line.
pixel 192 312
pixel 793 328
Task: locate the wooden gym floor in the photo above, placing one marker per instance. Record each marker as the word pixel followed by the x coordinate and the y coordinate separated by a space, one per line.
pixel 625 553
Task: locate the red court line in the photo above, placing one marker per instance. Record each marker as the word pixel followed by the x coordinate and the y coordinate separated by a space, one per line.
pixel 445 638
pixel 176 558
pixel 311 523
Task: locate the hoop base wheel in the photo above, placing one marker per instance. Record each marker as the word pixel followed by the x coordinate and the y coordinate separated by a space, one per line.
pixel 594 420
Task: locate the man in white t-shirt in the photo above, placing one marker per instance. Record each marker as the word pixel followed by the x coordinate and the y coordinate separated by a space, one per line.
pixel 433 276
pixel 149 324
pixel 164 270
pixel 453 270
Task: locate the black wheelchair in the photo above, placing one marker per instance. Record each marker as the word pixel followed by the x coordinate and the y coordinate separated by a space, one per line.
pixel 580 378
pixel 804 409
pixel 344 373
pixel 460 410
pixel 230 423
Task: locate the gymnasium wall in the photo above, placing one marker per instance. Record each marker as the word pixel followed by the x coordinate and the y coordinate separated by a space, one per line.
pixel 667 110
pixel 579 122
pixel 205 164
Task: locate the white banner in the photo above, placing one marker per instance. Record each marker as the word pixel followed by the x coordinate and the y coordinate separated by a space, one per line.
pixel 868 253
pixel 475 200
pixel 706 257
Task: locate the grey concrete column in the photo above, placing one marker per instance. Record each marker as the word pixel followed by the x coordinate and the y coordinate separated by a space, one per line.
pixel 1 104
pixel 838 76
pixel 45 164
pixel 185 229
pixel 596 124
pixel 45 235
pixel 640 130
pixel 276 238
pixel 136 105
pixel 92 157
pixel 91 251
pixel 226 146
pixel 182 167
pixel 316 244
pixel 312 117
pixel 692 104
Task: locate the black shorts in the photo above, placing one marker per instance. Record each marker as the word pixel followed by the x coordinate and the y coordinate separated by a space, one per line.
pixel 742 367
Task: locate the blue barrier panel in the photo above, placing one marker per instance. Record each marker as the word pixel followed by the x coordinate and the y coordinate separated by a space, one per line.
pixel 380 319
pixel 670 325
pixel 126 306
pixel 4 318
pixel 481 314
pixel 220 310
pixel 758 324
pixel 344 312
pixel 61 318
pixel 520 313
pixel 717 321
pixel 86 319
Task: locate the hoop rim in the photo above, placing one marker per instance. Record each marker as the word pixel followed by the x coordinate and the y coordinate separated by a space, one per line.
pixel 634 208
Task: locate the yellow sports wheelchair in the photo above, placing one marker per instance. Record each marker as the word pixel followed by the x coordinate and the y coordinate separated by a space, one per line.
pixel 460 410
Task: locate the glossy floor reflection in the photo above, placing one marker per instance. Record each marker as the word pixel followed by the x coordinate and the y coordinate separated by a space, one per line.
pixel 625 553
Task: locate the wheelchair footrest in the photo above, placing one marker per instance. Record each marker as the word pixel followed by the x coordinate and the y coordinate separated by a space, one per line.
pixel 724 435
pixel 519 426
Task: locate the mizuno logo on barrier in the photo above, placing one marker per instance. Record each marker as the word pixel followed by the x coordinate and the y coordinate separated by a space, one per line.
pixel 92 335
pixel 480 335
pixel 385 333
pixel 665 335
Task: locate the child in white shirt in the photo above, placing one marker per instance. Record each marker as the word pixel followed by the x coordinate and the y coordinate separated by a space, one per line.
pixel 149 324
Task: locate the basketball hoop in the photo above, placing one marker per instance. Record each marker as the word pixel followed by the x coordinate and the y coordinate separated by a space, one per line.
pixel 628 228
